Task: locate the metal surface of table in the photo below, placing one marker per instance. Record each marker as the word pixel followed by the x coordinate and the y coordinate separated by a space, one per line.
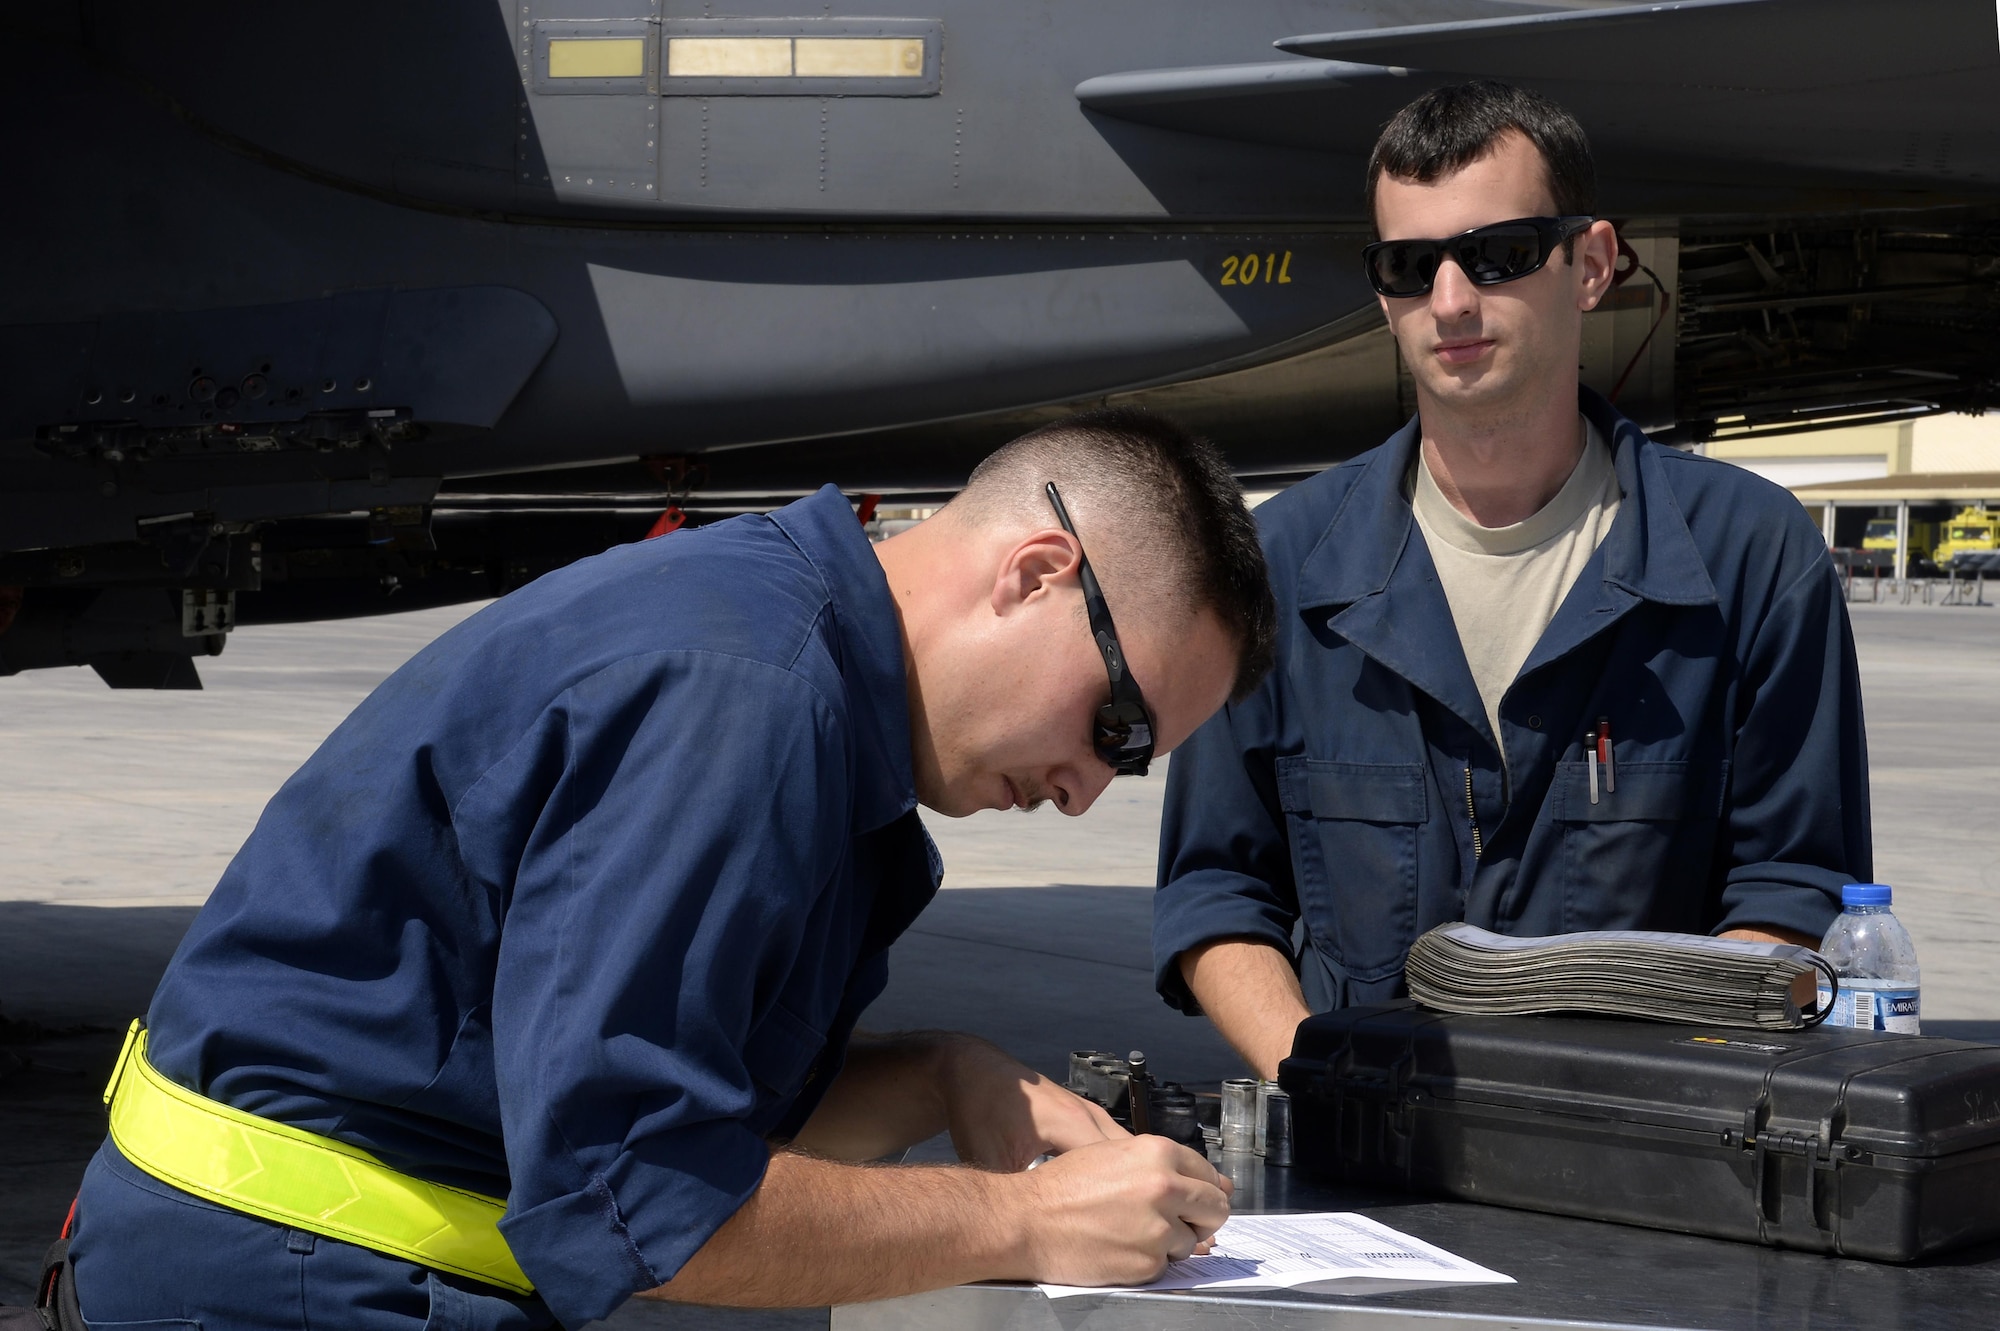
pixel 1578 1274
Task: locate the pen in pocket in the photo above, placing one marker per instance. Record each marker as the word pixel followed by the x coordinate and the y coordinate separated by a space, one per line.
pixel 1590 758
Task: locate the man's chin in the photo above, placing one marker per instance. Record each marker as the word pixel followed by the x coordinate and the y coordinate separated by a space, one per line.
pixel 1472 387
pixel 1467 373
pixel 955 808
pixel 956 803
pixel 963 798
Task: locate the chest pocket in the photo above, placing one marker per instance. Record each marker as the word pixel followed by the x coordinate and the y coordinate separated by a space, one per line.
pixel 1353 830
pixel 1638 858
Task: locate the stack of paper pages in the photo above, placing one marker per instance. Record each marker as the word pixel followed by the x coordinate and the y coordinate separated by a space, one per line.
pixel 1661 977
pixel 1341 1249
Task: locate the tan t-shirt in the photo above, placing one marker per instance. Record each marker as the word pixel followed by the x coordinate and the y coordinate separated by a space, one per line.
pixel 1504 584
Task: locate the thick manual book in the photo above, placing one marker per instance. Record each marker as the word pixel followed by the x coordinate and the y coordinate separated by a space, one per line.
pixel 1661 977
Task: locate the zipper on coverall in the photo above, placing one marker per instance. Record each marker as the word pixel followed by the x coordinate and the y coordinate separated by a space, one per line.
pixel 1472 815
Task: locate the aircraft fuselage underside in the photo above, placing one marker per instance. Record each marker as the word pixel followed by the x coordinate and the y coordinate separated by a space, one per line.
pixel 329 302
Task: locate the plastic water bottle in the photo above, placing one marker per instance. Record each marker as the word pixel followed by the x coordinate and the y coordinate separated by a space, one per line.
pixel 1876 961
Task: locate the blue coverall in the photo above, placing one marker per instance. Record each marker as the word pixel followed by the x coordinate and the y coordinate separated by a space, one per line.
pixel 577 910
pixel 1359 798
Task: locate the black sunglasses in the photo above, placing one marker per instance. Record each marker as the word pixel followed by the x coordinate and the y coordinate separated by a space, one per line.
pixel 1123 736
pixel 1487 255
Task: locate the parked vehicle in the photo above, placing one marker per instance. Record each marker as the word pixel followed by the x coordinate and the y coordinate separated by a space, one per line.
pixel 1881 535
pixel 1971 532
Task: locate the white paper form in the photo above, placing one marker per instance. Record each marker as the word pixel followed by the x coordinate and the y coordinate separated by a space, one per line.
pixel 1286 1251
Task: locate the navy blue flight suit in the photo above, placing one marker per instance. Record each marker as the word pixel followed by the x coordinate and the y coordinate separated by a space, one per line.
pixel 1359 798
pixel 578 909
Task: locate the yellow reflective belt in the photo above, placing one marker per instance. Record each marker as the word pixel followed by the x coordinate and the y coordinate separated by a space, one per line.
pixel 299 1178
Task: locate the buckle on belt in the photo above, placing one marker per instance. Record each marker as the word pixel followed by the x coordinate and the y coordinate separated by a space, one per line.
pixel 124 1058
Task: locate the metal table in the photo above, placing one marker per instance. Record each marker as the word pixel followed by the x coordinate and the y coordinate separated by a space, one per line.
pixel 1575 1274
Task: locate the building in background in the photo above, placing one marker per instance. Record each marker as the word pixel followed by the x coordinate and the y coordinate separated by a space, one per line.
pixel 1896 486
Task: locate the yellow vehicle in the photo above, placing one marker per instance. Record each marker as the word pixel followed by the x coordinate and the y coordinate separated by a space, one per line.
pixel 1881 535
pixel 1971 530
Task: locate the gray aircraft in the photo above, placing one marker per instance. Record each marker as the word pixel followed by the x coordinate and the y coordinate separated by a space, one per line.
pixel 339 306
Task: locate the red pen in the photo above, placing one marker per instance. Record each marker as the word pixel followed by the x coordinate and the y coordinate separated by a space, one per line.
pixel 1604 754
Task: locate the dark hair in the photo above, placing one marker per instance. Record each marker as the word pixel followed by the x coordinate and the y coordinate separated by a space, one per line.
pixel 1175 511
pixel 1449 128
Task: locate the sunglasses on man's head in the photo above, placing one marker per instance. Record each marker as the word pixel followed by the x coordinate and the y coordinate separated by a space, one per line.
pixel 1487 255
pixel 1123 735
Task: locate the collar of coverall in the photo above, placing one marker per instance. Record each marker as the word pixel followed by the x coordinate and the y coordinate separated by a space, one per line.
pixel 1648 551
pixel 824 529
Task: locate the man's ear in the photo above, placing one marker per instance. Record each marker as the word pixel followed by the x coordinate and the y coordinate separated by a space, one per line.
pixel 1596 263
pixel 1036 565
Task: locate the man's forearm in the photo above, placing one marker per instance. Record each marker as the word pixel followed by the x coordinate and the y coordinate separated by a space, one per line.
pixel 1803 987
pixel 887 1098
pixel 1251 993
pixel 817 1232
pixel 1771 933
pixel 898 1090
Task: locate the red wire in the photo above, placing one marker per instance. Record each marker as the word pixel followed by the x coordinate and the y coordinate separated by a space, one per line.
pixel 1666 301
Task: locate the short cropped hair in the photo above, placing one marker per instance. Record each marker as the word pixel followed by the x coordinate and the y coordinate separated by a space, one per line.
pixel 1449 128
pixel 1161 517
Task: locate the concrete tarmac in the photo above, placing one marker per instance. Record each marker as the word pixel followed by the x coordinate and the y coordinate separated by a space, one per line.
pixel 121 810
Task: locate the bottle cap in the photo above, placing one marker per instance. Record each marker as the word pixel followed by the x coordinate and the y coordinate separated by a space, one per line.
pixel 1865 894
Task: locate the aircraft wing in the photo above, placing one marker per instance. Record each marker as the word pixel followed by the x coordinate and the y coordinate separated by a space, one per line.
pixel 1335 106
pixel 1749 92
pixel 1716 45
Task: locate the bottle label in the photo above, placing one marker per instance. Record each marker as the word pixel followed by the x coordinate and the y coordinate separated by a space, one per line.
pixel 1864 1006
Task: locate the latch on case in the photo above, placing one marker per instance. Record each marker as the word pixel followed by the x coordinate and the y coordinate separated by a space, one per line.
pixel 1822 1151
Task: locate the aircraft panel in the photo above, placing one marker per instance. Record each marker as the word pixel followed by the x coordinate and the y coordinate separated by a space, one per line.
pixel 345 301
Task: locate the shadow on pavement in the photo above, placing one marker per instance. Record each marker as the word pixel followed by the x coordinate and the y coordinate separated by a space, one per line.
pixel 1044 970
pixel 90 965
pixel 71 980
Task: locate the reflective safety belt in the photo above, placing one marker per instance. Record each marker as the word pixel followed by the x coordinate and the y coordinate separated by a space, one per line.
pixel 298 1178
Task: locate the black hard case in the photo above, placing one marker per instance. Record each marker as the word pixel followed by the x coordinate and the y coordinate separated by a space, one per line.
pixel 1878 1146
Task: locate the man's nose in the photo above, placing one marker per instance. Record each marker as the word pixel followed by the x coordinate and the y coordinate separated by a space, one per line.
pixel 1076 789
pixel 1453 295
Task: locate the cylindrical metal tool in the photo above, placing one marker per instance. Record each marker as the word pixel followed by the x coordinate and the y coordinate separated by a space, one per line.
pixel 1239 1114
pixel 1079 1069
pixel 1107 1080
pixel 1173 1115
pixel 1118 1100
pixel 1277 1128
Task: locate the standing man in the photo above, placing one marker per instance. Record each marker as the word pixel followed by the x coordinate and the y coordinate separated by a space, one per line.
pixel 1517 580
pixel 534 987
